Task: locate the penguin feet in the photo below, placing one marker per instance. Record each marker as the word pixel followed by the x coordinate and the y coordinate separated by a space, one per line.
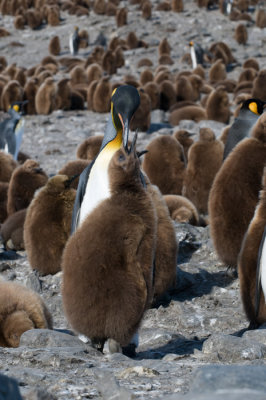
pixel 231 272
pixel 98 343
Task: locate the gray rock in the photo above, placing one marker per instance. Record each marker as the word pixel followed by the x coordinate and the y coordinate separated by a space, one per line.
pixel 231 348
pixel 33 282
pixel 257 335
pixel 9 388
pixel 39 394
pixel 109 388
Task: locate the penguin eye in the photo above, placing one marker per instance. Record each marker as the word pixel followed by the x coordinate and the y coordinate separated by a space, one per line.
pixel 254 107
pixel 121 157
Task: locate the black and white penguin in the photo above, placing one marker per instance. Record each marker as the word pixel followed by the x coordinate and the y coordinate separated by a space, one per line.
pixel 74 41
pixel 94 181
pixel 12 129
pixel 241 128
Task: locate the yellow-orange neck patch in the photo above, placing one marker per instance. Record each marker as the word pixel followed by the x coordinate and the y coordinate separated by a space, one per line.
pixel 253 107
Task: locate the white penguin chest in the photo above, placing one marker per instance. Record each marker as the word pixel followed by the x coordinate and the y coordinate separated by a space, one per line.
pixel 71 48
pixel 193 57
pixel 263 269
pixel 97 188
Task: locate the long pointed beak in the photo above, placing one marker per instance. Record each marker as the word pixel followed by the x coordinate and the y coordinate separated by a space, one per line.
pixel 125 135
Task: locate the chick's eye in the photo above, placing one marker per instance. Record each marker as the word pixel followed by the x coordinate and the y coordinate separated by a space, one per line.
pixel 121 157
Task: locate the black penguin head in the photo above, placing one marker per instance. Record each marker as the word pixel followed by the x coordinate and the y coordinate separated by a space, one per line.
pixel 256 106
pixel 18 106
pixel 124 103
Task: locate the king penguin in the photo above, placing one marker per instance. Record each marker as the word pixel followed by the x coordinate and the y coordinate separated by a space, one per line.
pixel 196 53
pixel 94 182
pixel 74 40
pixel 249 112
pixel 12 129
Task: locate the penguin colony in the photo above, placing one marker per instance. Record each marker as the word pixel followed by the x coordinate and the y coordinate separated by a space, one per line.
pixel 184 95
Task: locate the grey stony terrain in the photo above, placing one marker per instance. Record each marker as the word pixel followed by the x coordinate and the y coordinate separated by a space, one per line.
pixel 193 348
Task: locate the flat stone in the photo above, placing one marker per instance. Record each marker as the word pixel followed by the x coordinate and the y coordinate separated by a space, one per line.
pixel 109 388
pixel 257 335
pixel 138 370
pixel 231 348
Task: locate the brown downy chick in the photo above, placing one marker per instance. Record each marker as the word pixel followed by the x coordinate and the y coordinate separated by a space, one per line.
pixel 21 309
pixel 185 139
pixel 74 168
pixel 47 224
pixel 234 194
pixel 164 164
pixel 25 180
pixel 205 158
pixel 90 147
pixel 12 231
pixel 107 292
pixel 181 209
pixel 7 166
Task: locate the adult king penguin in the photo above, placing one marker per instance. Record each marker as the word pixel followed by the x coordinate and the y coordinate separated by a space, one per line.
pixel 241 128
pixel 12 129
pixel 94 182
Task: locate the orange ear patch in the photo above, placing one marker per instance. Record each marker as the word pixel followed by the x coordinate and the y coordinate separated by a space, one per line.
pixel 253 107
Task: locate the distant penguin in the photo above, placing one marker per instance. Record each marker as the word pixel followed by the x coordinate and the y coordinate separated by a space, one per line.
pixel 164 164
pixel 196 54
pixel 54 46
pixel 218 106
pixel 94 72
pixel 166 247
pixel 12 231
pixel 12 93
pixel 259 86
pixel 146 76
pixel 251 63
pixel 74 40
pixel 21 309
pixel 194 113
pixel 217 72
pixel 74 168
pixel 101 96
pixel 12 129
pixel 7 166
pixel 241 128
pixel 164 47
pixel 30 90
pixel 239 178
pixel 48 221
pixel 25 180
pixel 260 19
pixel 121 17
pixel 45 100
pixel 3 201
pixel 167 95
pixel 185 139
pixel 146 9
pixel 184 89
pixel 251 264
pixel 152 89
pixel 181 209
pixel 241 34
pixel 205 158
pixel 106 297
pixel 177 5
pixel 90 147
pixel 142 117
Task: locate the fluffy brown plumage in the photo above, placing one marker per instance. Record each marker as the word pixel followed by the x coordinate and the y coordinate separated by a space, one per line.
pixel 12 230
pixel 7 166
pixel 234 194
pixel 45 100
pixel 12 92
pixel 107 296
pixel 142 118
pixel 241 34
pixel 101 96
pixel 248 258
pixel 90 147
pixel 166 246
pixel 177 5
pixel 121 17
pixel 194 113
pixel 205 158
pixel 73 168
pixel 217 72
pixel 259 86
pixel 54 46
pixel 218 106
pixel 185 139
pixel 25 180
pixel 21 309
pixel 47 225
pixel 3 201
pixel 165 164
pixel 181 209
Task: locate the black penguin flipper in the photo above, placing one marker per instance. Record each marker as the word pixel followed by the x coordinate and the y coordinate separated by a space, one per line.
pixel 83 179
pixel 258 274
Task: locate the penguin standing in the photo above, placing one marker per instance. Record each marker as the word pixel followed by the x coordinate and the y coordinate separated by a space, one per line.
pixel 241 128
pixel 94 181
pixel 234 193
pixel 252 264
pixel 12 129
pixel 48 221
pixel 196 53
pixel 109 289
pixel 74 41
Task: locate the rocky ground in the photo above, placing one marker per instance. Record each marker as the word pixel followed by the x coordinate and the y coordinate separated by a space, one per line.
pixel 195 347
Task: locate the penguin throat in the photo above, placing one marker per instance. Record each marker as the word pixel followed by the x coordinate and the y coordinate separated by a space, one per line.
pixel 193 57
pixel 98 188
